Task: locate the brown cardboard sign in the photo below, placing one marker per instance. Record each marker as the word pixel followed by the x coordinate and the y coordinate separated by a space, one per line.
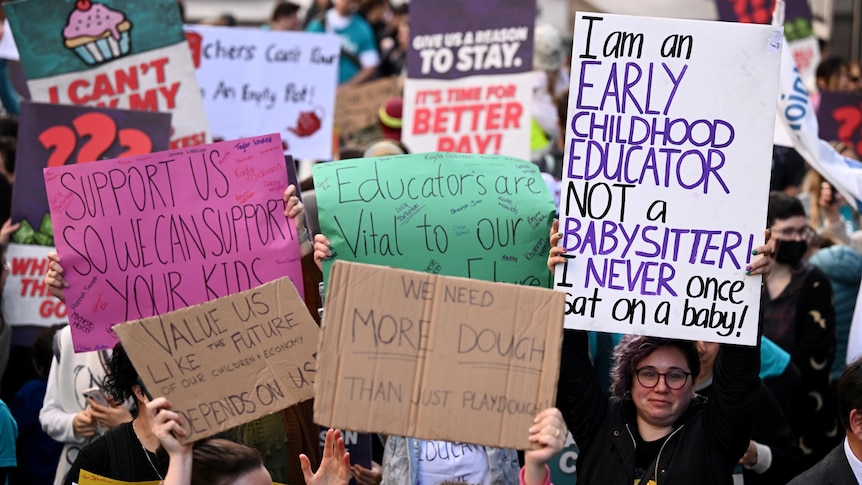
pixel 230 360
pixel 356 107
pixel 436 357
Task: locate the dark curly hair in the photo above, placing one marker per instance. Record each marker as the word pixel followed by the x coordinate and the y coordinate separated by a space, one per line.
pixel 121 375
pixel 633 349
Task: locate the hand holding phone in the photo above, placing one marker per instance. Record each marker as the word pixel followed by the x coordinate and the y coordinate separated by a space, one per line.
pixel 97 395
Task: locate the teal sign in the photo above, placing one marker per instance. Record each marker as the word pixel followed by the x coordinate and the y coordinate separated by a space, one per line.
pixel 57 37
pixel 484 217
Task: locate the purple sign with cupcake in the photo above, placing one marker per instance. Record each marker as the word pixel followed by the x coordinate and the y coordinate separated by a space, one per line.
pixel 129 54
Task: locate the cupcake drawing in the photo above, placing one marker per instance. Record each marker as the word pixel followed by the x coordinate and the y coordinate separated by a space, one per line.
pixel 97 33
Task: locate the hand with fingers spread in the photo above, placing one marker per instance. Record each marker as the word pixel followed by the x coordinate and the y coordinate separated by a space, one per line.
pixel 334 468
pixel 54 280
pixel 321 250
pixel 295 209
pixel 548 435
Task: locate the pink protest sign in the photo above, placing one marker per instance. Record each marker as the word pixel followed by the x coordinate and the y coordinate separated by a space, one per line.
pixel 146 235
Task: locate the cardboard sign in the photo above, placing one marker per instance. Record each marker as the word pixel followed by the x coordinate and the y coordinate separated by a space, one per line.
pixel 435 357
pixel 258 81
pixel 478 216
pixel 357 107
pixel 840 118
pixel 666 176
pixel 150 234
pixel 111 53
pixel 469 81
pixel 228 361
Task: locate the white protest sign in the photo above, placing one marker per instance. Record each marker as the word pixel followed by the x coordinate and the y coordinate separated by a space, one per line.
pixel 469 80
pixel 480 114
pixel 257 81
pixel 666 175
pixel 8 49
pixel 27 299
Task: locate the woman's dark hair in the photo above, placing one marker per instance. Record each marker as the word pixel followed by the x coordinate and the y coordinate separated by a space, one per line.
pixel 783 206
pixel 220 462
pixel 121 375
pixel 633 349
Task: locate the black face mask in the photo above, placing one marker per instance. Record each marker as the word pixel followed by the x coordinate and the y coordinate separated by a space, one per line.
pixel 790 252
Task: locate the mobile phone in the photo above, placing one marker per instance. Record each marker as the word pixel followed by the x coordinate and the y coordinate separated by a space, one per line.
pixel 97 395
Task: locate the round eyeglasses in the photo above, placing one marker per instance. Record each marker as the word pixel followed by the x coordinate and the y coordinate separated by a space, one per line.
pixel 675 379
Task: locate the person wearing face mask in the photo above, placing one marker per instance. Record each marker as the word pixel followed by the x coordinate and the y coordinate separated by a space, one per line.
pixel 799 316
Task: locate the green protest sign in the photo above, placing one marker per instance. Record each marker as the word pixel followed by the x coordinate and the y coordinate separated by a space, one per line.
pixel 485 217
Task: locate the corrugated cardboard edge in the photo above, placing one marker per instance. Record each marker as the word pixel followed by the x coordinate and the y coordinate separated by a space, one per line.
pixel 325 391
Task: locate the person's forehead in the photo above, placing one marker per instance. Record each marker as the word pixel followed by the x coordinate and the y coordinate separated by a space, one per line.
pixel 795 221
pixel 665 358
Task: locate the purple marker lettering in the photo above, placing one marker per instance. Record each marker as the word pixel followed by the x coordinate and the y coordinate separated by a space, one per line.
pixel 676 81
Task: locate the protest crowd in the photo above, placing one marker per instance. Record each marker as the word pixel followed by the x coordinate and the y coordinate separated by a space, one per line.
pixel 519 129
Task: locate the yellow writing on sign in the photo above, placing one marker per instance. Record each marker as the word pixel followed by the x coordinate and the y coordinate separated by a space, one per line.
pixel 89 478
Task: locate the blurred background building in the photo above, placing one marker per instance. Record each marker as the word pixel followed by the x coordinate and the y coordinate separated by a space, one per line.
pixel 838 22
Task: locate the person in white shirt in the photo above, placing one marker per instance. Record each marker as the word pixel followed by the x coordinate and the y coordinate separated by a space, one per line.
pixel 66 415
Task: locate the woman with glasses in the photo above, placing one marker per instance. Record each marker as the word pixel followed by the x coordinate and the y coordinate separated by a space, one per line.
pixel 654 429
pixel 799 316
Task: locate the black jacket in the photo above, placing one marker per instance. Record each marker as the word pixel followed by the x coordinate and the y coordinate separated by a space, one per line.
pixel 832 470
pixel 769 427
pixel 707 441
